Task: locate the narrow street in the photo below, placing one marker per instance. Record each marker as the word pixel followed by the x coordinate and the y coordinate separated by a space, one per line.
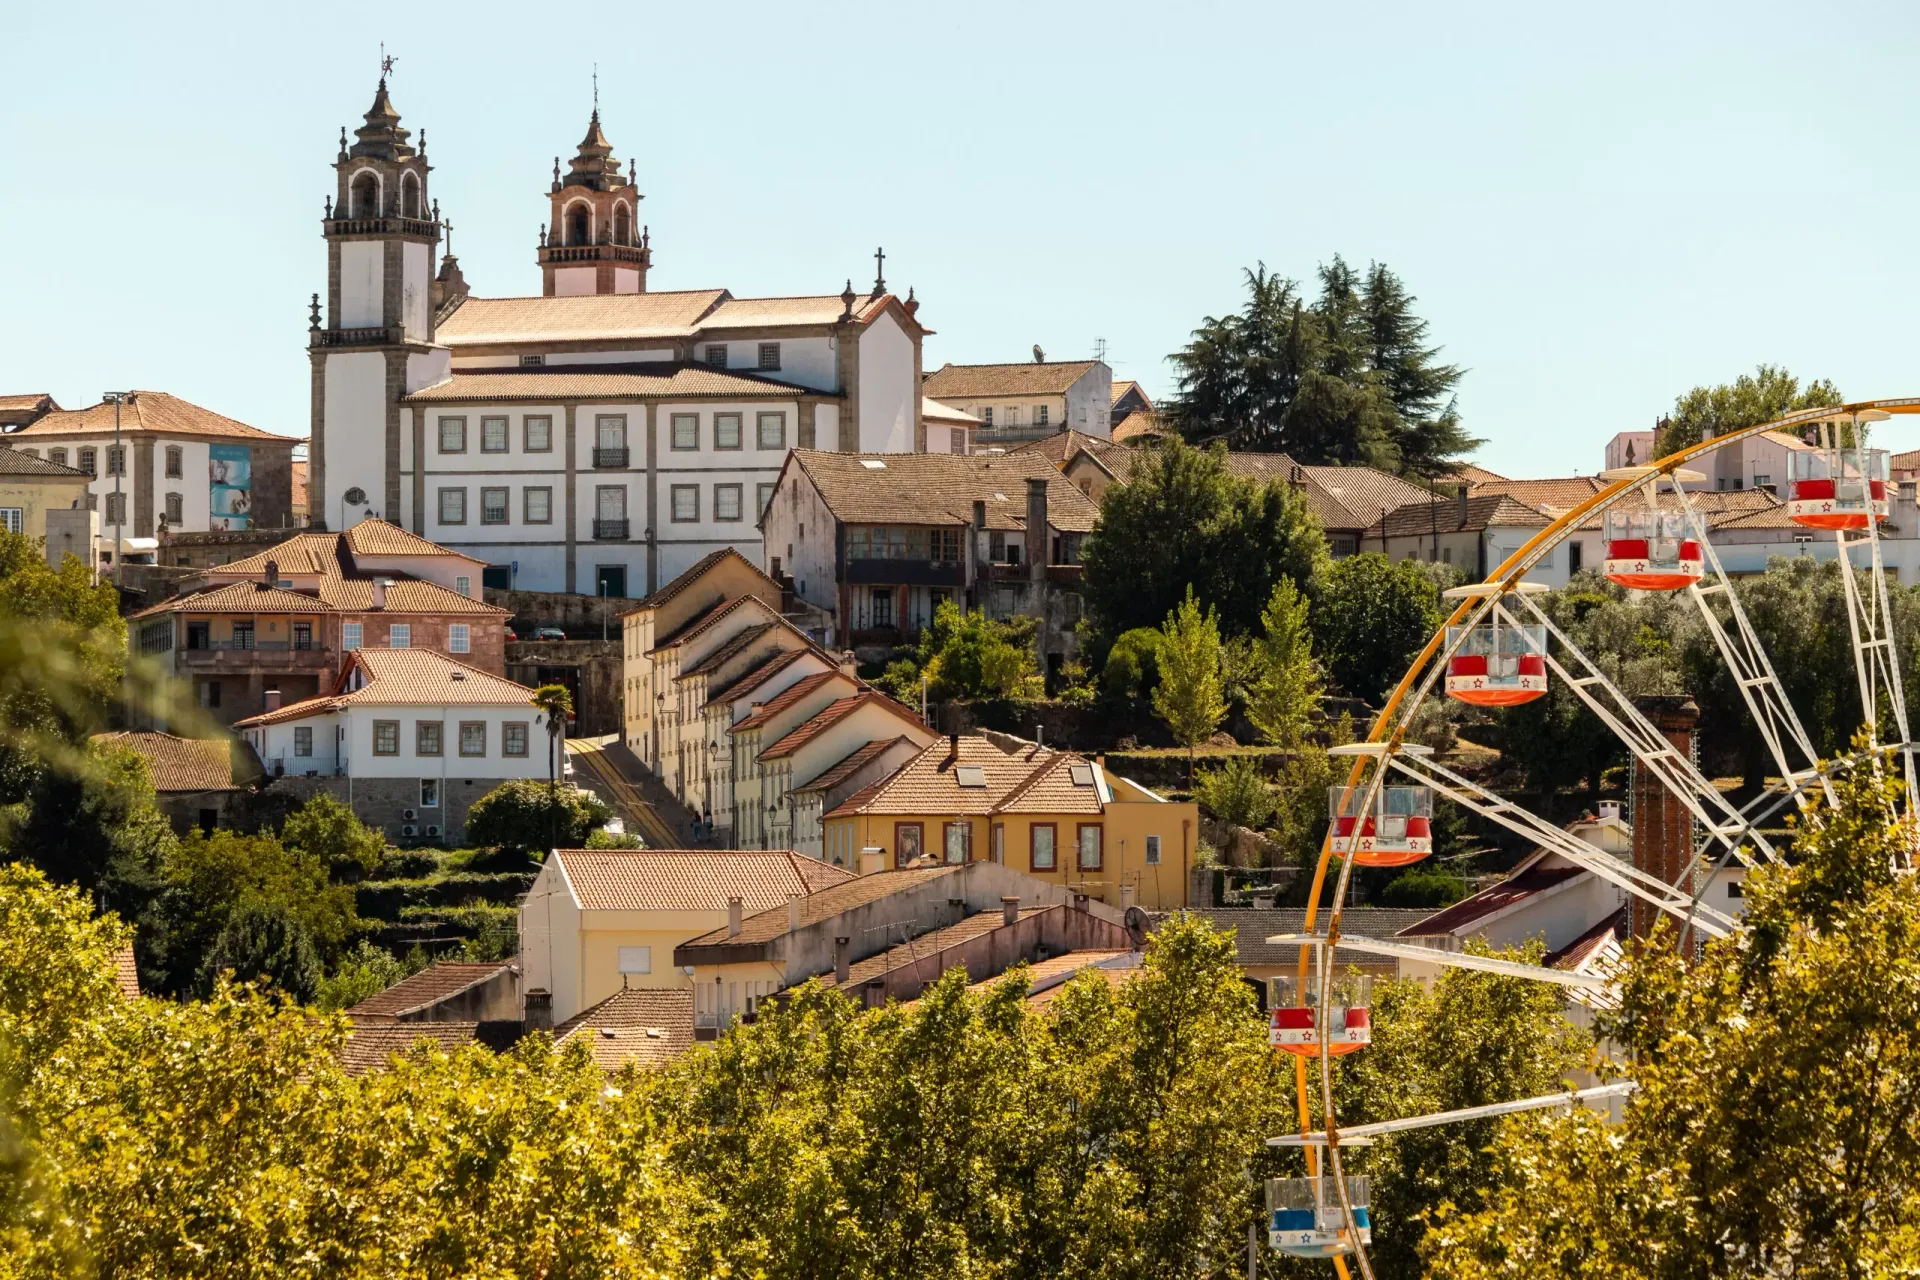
pixel 596 770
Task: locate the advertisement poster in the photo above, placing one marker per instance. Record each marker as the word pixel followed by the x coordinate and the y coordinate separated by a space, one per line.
pixel 230 484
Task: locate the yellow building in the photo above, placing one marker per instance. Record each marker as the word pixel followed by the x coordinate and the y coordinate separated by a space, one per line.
pixel 31 486
pixel 1056 816
pixel 600 920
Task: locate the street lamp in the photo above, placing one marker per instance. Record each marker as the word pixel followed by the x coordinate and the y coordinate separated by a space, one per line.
pixel 118 461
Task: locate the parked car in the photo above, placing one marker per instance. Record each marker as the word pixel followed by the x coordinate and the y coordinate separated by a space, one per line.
pixel 549 633
pixel 512 634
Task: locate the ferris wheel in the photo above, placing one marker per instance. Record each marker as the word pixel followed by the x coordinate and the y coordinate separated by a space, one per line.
pixel 1499 648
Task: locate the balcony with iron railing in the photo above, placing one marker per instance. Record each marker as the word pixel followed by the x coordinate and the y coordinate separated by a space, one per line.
pixel 609 459
pixel 610 530
pixel 260 655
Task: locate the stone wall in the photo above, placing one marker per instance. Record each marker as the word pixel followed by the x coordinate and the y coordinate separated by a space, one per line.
pixel 590 669
pixel 272 492
pixel 581 617
pixel 382 802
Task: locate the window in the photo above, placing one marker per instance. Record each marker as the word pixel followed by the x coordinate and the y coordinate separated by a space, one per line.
pixel 717 354
pixel 210 693
pixel 429 793
pixel 453 435
pixel 906 842
pixel 1043 859
pixel 686 431
pixel 726 431
pixel 1013 415
pixel 1153 851
pixel 537 505
pixel 303 635
pixel 400 635
pixel 464 585
pixel 243 635
pixel 686 503
pixel 513 739
pixel 1573 557
pixel 453 506
pixel 636 959
pixel 350 636
pixel 303 740
pixel 532 362
pixel 959 837
pixel 473 737
pixel 57 455
pixel 116 459
pixel 426 738
pixel 176 508
pixel 539 435
pixel 1763 482
pixel 86 461
pixel 12 519
pixel 882 607
pixel 386 737
pixel 957 440
pixel 769 356
pixel 997 843
pixel 762 495
pixel 726 502
pixel 116 508
pixel 493 435
pixel 1040 415
pixel 176 466
pixel 610 502
pixel 610 432
pixel 494 504
pixel 773 431
pixel 459 638
pixel 1089 847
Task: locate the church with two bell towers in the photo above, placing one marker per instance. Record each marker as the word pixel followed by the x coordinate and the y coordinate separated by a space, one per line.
pixel 598 436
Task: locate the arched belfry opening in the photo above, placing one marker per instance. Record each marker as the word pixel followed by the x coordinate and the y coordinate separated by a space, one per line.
pixel 366 196
pixel 579 225
pixel 622 225
pixel 410 197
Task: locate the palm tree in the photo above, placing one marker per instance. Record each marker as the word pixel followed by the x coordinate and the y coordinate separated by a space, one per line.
pixel 557 703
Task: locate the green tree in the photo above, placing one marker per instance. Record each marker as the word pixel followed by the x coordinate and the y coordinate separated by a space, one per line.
pixel 365 971
pixel 1284 694
pixel 1766 394
pixel 1429 436
pixel 556 708
pixel 521 816
pixel 326 829
pixel 1236 792
pixel 1371 618
pixel 1189 696
pixel 1133 664
pixel 97 828
pixel 263 942
pixel 964 655
pixel 1184 521
pixel 1775 1128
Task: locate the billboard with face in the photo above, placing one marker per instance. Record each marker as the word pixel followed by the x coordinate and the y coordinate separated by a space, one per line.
pixel 230 486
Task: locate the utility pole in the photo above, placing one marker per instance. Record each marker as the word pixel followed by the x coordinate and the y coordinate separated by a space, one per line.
pixel 118 461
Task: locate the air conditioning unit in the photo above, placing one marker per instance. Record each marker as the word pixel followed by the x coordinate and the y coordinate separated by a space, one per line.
pixel 408 815
pixel 433 832
pixel 409 830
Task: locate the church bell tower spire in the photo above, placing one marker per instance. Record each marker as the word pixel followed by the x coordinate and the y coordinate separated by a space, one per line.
pixel 593 242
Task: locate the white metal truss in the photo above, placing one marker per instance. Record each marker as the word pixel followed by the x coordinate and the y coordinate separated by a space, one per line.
pixel 1672 899
pixel 1450 959
pixel 1876 659
pixel 1752 672
pixel 1363 1134
pixel 1676 771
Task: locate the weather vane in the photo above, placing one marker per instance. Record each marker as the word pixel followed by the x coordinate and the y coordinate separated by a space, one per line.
pixel 596 88
pixel 386 61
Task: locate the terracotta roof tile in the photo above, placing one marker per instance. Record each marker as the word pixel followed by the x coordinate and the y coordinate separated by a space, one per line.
pixel 603 382
pixel 957 381
pixel 31 400
pixel 823 904
pixel 928 783
pixel 692 575
pixel 1367 491
pixel 126 973
pixel 428 987
pixel 646 1026
pixel 335 595
pixel 1059 447
pixel 831 715
pixel 150 413
pixel 404 677
pixel 731 649
pixel 848 766
pixel 930 944
pixel 481 321
pixel 1051 789
pixel 793 693
pixel 1123 385
pixel 691 879
pixel 1610 930
pixel 381 538
pixel 374 1047
pixel 13 462
pixel 179 764
pixel 1141 424
pixel 938 488
pixel 1483 512
pixel 763 313
pixel 1562 493
pixel 747 681
pixel 1472 475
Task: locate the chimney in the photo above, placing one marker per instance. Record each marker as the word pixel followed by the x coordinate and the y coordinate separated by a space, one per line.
pixel 273 572
pixel 273 700
pixel 733 916
pixel 775 575
pixel 1037 528
pixel 539 1014
pixel 980 513
pixel 793 913
pixel 379 593
pixel 873 859
pixel 1009 908
pixel 953 746
pixel 1662 826
pixel 842 960
pixel 1463 506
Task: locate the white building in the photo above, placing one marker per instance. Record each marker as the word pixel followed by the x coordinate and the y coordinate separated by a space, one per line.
pixel 1021 402
pixel 599 438
pixel 408 737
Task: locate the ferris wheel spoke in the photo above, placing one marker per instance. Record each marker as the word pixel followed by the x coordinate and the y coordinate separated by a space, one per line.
pixel 1713 811
pixel 1524 823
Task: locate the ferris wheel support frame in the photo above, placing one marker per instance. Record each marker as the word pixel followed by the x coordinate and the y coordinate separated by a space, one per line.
pixel 1870 619
pixel 1389 728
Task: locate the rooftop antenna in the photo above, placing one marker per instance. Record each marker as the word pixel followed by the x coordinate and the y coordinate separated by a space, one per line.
pixel 596 88
pixel 1100 349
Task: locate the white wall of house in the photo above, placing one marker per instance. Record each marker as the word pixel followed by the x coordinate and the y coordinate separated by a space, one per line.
pixel 550 940
pixel 889 395
pixel 356 397
pixel 801 531
pixel 343 740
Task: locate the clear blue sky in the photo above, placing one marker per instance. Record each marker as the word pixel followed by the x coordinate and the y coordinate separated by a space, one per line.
pixel 1596 207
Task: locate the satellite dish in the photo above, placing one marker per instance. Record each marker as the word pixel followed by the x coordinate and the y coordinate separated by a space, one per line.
pixel 355 496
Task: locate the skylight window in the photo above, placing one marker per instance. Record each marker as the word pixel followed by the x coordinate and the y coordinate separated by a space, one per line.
pixel 873 464
pixel 970 775
pixel 1081 774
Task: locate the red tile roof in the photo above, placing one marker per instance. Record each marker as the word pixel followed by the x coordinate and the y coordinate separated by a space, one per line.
pixel 404 677
pixel 126 973
pixel 645 1026
pixel 373 1047
pixel 1028 378
pixel 693 574
pixel 854 891
pixel 928 945
pixel 430 986
pixel 849 765
pixel 929 782
pixel 831 715
pixel 793 693
pixel 940 488
pixel 150 413
pixel 179 764
pixel 746 682
pixel 691 879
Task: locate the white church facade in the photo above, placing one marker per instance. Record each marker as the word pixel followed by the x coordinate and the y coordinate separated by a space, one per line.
pixel 598 438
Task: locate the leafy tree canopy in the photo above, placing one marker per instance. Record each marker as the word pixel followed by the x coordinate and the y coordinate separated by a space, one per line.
pixel 1190 696
pixel 1371 618
pixel 523 816
pixel 1766 394
pixel 965 655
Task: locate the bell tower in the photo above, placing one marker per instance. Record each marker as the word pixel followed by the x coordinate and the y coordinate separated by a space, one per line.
pixel 375 343
pixel 593 241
